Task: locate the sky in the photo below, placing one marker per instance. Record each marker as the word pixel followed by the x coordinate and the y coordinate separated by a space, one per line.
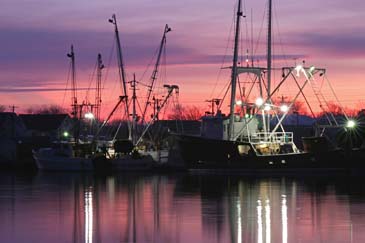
pixel 35 36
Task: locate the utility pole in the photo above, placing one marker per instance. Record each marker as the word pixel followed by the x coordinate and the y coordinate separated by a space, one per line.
pixel 213 102
pixel 13 130
pixel 13 107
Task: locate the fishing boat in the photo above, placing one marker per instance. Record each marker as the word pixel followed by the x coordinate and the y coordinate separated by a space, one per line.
pixel 113 153
pixel 61 157
pixel 248 139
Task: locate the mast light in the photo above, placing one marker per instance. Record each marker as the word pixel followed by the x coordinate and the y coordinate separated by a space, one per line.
pixel 350 124
pixel 89 115
pixel 298 68
pixel 259 102
pixel 267 107
pixel 239 102
pixel 311 69
pixel 284 108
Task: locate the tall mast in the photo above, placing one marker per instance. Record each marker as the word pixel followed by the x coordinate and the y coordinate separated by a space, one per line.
pixel 234 73
pixel 71 55
pixel 113 20
pixel 269 57
pixel 134 110
pixel 98 87
pixel 155 70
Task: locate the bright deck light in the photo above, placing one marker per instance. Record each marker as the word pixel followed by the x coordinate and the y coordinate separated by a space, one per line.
pixel 65 134
pixel 312 68
pixel 351 124
pixel 89 115
pixel 259 101
pixel 298 68
pixel 284 108
pixel 267 107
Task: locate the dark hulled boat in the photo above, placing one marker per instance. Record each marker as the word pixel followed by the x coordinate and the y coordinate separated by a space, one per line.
pixel 247 140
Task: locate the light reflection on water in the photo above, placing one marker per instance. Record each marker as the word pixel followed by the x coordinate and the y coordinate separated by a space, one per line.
pixel 180 208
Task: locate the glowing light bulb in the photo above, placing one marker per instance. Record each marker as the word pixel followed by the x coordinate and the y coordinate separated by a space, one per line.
pixel 267 107
pixel 89 115
pixel 259 101
pixel 284 108
pixel 351 124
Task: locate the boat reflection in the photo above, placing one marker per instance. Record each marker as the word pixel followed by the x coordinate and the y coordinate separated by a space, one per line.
pixel 180 208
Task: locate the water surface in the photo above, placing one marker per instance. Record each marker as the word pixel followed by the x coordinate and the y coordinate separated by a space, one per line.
pixel 55 207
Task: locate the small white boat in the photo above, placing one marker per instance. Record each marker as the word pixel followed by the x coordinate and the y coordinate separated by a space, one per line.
pixel 61 157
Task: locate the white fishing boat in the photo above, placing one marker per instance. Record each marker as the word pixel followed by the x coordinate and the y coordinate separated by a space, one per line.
pixel 61 157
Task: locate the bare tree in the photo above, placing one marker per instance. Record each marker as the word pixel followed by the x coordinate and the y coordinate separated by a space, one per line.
pixel 193 113
pixel 186 113
pixel 177 112
pixel 46 109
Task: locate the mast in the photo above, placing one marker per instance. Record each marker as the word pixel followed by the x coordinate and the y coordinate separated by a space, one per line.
pixel 98 87
pixel 113 20
pixel 234 73
pixel 155 70
pixel 269 59
pixel 134 110
pixel 71 55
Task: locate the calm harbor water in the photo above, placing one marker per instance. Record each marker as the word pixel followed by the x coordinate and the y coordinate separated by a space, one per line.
pixel 54 207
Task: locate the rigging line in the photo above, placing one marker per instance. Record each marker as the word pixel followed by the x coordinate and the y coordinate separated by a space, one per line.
pixel 68 79
pixel 239 86
pixel 162 77
pixel 108 67
pixel 285 56
pixel 139 106
pixel 149 64
pixel 91 79
pixel 220 105
pixel 334 94
pixel 247 35
pixel 224 89
pixel 165 108
pixel 251 88
pixel 224 57
pixel 260 31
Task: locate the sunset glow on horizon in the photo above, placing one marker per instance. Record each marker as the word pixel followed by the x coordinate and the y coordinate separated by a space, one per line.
pixel 35 38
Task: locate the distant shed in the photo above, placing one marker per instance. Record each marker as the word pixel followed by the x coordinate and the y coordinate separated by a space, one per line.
pixel 51 125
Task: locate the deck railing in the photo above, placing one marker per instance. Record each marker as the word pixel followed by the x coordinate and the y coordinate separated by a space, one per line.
pixel 271 137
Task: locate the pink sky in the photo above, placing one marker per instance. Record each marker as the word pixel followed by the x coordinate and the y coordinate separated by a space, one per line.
pixel 36 35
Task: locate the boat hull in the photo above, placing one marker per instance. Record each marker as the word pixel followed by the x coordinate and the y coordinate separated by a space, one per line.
pixel 47 161
pixel 203 153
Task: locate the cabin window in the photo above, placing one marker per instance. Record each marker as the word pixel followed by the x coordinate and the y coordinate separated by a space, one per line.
pixel 243 149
